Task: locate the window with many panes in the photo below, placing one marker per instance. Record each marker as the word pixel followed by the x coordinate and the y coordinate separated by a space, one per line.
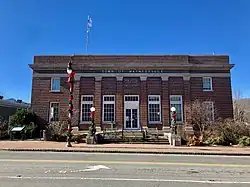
pixel 108 108
pixel 176 101
pixel 208 107
pixel 55 84
pixel 54 111
pixel 154 108
pixel 86 104
pixel 207 84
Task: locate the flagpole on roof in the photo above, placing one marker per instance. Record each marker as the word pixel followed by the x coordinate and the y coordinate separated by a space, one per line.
pixel 89 25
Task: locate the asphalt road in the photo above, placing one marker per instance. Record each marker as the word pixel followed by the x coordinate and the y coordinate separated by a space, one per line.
pixel 39 169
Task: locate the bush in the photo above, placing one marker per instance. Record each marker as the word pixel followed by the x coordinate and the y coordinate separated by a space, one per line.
pixel 244 141
pixel 232 131
pixel 56 131
pixel 219 140
pixel 3 129
pixel 228 132
pixel 27 118
pixel 23 117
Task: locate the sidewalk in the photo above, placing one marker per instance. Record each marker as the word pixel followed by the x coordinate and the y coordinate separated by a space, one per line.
pixel 121 148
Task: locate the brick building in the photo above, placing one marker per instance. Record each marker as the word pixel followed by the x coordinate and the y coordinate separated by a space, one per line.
pixel 132 91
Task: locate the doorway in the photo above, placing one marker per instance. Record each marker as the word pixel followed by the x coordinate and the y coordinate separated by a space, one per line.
pixel 131 112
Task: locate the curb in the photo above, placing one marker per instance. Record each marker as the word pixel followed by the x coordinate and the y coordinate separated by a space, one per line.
pixel 125 151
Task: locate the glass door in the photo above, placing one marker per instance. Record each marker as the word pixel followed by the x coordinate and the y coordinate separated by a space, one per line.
pixel 131 118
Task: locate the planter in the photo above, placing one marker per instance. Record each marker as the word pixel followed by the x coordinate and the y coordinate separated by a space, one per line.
pixel 90 140
pixel 176 140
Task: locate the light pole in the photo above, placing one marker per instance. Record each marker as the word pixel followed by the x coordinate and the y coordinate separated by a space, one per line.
pixel 70 80
pixel 173 120
pixel 92 115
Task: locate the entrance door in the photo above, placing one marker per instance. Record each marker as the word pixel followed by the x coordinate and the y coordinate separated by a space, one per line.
pixel 131 112
pixel 131 118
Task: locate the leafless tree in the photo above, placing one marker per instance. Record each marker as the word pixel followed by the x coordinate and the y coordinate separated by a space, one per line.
pixel 202 117
pixel 239 109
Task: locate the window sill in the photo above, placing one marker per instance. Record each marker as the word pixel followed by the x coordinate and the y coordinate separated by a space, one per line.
pixel 154 122
pixel 85 122
pixel 55 91
pixel 207 90
pixel 179 122
pixel 107 123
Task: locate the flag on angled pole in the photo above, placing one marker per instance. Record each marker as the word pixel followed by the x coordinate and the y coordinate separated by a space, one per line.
pixel 89 25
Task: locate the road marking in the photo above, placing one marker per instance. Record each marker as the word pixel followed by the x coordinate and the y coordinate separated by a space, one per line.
pixel 127 163
pixel 89 168
pixel 48 171
pixel 95 168
pixel 126 179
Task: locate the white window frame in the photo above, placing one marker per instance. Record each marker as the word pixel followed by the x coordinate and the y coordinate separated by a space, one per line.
pixel 50 106
pixel 154 102
pixel 131 104
pixel 177 102
pixel 107 102
pixel 211 84
pixel 210 103
pixel 86 102
pixel 51 84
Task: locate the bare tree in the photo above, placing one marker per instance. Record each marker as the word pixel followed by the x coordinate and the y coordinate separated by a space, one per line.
pixel 203 116
pixel 239 108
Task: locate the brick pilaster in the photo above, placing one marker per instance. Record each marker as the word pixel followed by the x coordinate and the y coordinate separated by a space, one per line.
pixel 187 100
pixel 165 103
pixel 143 104
pixel 97 102
pixel 119 103
pixel 76 104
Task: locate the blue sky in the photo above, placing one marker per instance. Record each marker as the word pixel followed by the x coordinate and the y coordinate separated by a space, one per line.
pixel 58 27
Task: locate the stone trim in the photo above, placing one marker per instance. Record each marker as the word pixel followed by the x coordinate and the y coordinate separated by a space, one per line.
pixel 186 77
pixel 97 78
pixel 165 76
pixel 143 78
pixel 119 78
pixel 182 65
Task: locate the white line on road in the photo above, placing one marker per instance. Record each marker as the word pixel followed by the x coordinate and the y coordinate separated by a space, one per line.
pixel 90 168
pixel 126 179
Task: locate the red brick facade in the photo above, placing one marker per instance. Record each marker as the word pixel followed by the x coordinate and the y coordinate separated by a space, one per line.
pixel 163 76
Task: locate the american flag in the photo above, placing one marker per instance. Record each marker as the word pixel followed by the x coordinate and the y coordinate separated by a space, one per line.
pixel 89 25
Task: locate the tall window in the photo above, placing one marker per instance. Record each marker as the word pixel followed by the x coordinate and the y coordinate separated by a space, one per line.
pixel 86 104
pixel 207 84
pixel 208 107
pixel 54 112
pixel 154 108
pixel 108 108
pixel 176 101
pixel 55 84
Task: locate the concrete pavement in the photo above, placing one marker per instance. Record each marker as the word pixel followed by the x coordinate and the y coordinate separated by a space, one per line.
pixel 105 169
pixel 121 148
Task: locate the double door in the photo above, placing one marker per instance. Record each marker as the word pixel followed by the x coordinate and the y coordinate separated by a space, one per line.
pixel 131 112
pixel 131 118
